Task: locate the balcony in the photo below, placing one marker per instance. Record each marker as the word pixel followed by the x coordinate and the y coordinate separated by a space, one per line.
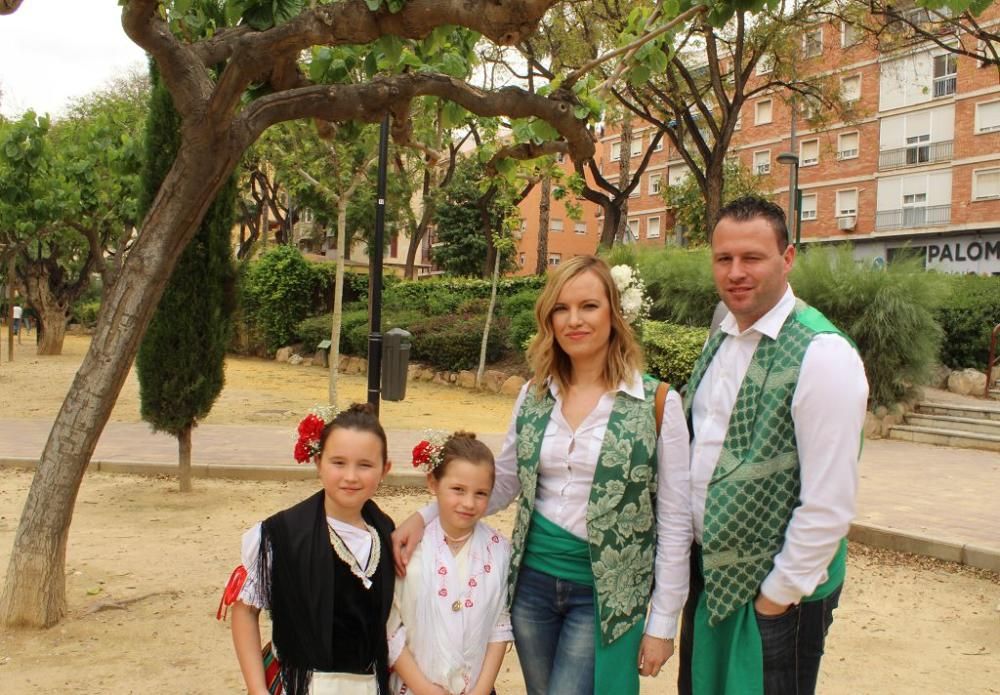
pixel 915 155
pixel 922 216
pixel 944 86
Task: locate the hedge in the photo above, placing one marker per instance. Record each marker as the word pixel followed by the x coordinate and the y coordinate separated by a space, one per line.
pixel 967 316
pixel 889 313
pixel 671 350
pixel 278 292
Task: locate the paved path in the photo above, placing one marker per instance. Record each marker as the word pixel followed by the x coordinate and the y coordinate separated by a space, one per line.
pixel 919 498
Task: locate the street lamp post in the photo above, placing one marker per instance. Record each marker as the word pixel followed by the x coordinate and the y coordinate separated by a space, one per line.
pixel 794 194
pixel 375 275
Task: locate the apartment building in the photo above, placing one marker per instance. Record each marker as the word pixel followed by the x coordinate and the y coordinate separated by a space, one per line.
pixel 915 171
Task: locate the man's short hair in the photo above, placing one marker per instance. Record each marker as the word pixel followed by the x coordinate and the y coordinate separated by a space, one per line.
pixel 750 207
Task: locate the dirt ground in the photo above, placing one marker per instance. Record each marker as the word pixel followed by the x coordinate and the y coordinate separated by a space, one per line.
pixel 256 390
pixel 146 564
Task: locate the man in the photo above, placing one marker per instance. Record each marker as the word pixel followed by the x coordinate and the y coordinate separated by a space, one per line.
pixel 776 406
pixel 18 313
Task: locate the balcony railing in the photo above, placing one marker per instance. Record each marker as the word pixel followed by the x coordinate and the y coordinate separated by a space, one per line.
pixel 923 216
pixel 945 85
pixel 914 155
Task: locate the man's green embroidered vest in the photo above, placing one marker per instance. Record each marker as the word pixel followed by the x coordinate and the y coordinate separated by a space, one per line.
pixel 755 486
pixel 621 524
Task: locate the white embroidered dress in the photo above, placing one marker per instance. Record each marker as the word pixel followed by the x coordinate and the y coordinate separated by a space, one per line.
pixel 449 608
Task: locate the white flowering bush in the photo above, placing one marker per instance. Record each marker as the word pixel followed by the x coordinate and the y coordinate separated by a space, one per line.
pixel 632 290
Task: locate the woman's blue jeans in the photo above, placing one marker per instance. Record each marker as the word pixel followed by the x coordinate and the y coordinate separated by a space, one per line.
pixel 554 634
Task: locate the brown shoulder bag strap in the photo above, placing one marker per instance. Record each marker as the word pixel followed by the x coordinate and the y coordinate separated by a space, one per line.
pixel 661 400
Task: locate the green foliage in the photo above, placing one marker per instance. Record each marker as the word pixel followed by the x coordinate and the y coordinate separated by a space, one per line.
pixel 680 284
pixel 459 221
pixel 181 361
pixel 278 290
pixel 453 342
pixel 441 295
pixel 85 313
pixel 671 350
pixel 968 315
pixel 688 202
pixel 889 314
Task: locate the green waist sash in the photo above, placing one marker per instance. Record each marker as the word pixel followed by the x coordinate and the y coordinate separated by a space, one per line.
pixel 554 551
pixel 728 659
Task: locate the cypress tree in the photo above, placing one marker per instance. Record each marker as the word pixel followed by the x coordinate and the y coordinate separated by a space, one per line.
pixel 181 360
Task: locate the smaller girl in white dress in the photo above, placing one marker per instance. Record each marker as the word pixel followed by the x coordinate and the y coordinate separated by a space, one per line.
pixel 449 627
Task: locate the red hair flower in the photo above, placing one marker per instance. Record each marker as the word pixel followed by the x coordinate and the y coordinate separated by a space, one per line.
pixel 310 430
pixel 428 454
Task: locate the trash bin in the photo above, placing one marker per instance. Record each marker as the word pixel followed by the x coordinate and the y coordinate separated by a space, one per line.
pixel 395 360
pixel 323 353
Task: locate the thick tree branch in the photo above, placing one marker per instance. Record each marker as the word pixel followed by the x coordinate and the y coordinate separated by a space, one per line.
pixel 369 101
pixel 524 151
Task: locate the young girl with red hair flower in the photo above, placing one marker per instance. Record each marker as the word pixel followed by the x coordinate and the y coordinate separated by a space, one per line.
pixel 449 627
pixel 323 569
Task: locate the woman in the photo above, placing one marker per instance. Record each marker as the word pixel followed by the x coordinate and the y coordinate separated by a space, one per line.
pixel 602 502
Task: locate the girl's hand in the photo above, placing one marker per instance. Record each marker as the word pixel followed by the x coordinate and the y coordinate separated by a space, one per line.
pixel 404 539
pixel 653 653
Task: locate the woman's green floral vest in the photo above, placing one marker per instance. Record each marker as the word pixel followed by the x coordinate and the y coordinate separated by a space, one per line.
pixel 620 514
pixel 755 486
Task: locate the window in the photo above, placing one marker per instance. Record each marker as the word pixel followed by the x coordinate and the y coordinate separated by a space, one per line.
pixel 556 225
pixel 812 43
pixel 850 88
pixel 739 121
pixel 811 107
pixel 917 153
pixel 808 211
pixel 632 231
pixel 659 145
pixel 580 228
pixel 654 184
pixel 762 162
pixel 653 228
pixel 520 260
pixel 945 74
pixel 616 151
pixel 677 173
pixel 554 259
pixel 636 146
pixel 988 116
pixel 763 112
pixel 914 199
pixel 809 153
pixel 847 202
pixel 560 156
pixel 847 145
pixel 850 34
pixel 765 64
pixel 985 184
pixel 635 191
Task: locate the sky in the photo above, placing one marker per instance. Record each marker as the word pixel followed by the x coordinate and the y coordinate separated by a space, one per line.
pixel 52 51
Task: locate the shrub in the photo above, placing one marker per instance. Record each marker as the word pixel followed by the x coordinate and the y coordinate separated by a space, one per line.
pixel 968 315
pixel 438 296
pixel 278 289
pixel 314 330
pixel 671 350
pixel 890 315
pixel 85 313
pixel 522 328
pixel 453 342
pixel 680 284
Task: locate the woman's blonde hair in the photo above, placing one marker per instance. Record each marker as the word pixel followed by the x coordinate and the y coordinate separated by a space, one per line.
pixel 548 360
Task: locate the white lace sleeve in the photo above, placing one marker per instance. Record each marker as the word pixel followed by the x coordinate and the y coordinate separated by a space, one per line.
pixel 252 592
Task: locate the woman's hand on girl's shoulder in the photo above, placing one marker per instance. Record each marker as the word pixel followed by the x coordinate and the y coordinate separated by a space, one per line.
pixel 404 540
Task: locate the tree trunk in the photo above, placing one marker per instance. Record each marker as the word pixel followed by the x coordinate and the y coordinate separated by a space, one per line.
pixel 612 221
pixel 713 197
pixel 52 310
pixel 489 320
pixel 338 302
pixel 545 202
pixel 35 589
pixel 184 459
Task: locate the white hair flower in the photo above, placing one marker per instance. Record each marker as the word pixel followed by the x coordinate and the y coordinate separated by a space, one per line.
pixel 635 305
